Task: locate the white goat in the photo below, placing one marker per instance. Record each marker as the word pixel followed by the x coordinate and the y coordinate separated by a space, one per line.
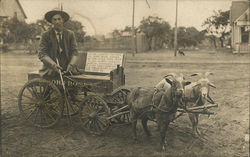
pixel 196 94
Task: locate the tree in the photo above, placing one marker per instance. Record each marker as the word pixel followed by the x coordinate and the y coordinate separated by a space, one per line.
pixel 189 36
pixel 77 28
pixel 19 31
pixel 116 34
pixel 43 25
pixel 217 26
pixel 156 30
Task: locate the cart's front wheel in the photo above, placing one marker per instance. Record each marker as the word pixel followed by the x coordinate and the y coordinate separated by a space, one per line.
pixel 39 102
pixel 94 114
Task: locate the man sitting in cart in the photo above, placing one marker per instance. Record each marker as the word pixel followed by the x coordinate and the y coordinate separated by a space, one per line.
pixel 58 47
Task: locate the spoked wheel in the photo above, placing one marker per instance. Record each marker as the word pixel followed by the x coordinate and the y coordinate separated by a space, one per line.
pixel 118 97
pixel 74 102
pixel 40 102
pixel 94 115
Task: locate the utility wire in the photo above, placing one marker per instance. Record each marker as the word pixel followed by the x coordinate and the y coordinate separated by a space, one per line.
pixel 147 3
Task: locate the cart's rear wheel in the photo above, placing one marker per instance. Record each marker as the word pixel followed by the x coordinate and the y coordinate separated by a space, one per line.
pixel 94 114
pixel 40 102
pixel 119 96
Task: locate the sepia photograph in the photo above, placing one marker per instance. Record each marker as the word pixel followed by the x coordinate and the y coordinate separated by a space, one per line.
pixel 124 78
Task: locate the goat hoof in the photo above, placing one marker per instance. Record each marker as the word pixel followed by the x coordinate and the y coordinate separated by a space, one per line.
pixel 136 141
pixel 149 134
pixel 198 132
pixel 164 148
pixel 196 135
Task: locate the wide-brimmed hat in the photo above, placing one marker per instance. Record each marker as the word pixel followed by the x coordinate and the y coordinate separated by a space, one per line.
pixel 48 16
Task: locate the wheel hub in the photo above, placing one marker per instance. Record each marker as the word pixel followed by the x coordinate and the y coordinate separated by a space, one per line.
pixel 92 115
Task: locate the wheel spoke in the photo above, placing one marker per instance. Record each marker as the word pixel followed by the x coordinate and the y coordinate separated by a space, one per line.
pixel 94 125
pixel 48 94
pixel 71 106
pixel 36 114
pixel 31 91
pixel 103 122
pixel 29 98
pixel 86 122
pixel 44 92
pixel 34 91
pixel 40 89
pixel 45 117
pixel 100 125
pixel 31 112
pixel 84 116
pixel 48 113
pixel 52 100
pixel 27 108
pixel 29 103
pixel 41 116
pixel 52 108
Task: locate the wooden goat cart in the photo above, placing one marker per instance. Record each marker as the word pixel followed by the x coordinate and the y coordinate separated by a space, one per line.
pixel 96 94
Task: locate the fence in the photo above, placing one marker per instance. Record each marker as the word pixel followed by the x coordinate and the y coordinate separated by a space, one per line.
pixel 123 43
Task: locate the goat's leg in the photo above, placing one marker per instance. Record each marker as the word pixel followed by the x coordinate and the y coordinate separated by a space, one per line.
pixel 134 123
pixel 133 119
pixel 196 116
pixel 163 135
pixel 162 125
pixel 144 122
pixel 193 121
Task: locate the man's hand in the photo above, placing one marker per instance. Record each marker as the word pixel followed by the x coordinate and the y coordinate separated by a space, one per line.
pixel 56 67
pixel 71 67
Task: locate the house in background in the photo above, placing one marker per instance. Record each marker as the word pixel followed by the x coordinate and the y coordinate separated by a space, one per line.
pixel 11 8
pixel 240 22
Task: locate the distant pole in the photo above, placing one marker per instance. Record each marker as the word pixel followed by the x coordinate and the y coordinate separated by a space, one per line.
pixel 175 31
pixel 133 30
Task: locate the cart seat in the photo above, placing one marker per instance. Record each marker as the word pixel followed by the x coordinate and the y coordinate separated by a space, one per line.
pixel 92 77
pixel 35 74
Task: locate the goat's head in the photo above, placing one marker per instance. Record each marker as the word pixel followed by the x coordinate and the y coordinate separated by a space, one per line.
pixel 203 86
pixel 177 83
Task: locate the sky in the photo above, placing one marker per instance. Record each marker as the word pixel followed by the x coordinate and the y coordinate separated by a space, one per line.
pixel 103 16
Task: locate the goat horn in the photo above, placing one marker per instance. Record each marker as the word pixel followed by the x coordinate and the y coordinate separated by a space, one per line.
pixel 195 74
pixel 208 73
pixel 212 85
pixel 170 74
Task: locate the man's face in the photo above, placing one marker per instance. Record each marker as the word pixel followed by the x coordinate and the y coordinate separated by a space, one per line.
pixel 57 21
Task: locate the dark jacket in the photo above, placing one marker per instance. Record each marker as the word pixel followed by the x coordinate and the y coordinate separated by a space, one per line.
pixel 49 47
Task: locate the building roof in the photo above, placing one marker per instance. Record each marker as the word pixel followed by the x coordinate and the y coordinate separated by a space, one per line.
pixel 3 10
pixel 246 13
pixel 238 8
pixel 21 8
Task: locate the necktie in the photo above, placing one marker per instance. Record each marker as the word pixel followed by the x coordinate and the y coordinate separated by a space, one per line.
pixel 60 40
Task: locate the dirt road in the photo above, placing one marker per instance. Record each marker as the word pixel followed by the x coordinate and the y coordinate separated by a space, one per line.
pixel 226 132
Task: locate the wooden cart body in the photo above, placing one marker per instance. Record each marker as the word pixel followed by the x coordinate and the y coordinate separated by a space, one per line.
pixel 101 86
